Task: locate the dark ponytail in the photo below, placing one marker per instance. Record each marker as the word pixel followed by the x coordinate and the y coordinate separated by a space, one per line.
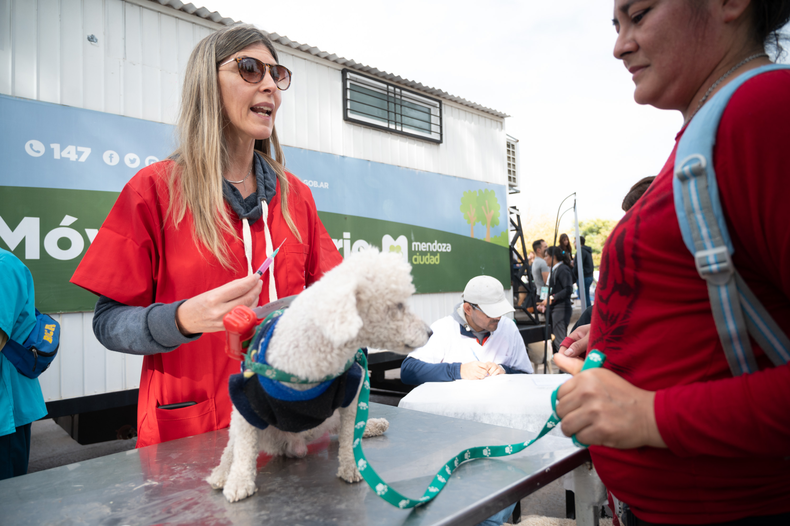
pixel 560 255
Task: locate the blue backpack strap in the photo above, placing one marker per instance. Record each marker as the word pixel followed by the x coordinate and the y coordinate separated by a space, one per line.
pixel 736 310
pixel 762 326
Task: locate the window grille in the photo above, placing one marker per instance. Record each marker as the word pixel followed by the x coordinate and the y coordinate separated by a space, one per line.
pixel 382 105
pixel 512 164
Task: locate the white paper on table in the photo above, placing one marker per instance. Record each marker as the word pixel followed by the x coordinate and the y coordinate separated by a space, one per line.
pixel 509 400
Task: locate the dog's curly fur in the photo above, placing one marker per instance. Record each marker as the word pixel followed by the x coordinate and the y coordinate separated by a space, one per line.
pixel 360 303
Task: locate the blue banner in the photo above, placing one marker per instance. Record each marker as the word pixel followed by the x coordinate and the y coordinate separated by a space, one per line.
pixel 47 145
pixel 345 185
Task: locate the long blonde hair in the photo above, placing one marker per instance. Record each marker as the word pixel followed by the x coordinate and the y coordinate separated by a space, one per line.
pixel 195 183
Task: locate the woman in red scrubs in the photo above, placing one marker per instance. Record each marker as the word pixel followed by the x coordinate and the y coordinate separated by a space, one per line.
pixel 179 248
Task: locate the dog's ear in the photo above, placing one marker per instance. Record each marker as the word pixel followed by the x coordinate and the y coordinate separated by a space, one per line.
pixel 336 314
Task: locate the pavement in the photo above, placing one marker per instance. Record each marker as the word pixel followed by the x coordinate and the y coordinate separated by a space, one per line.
pixel 51 447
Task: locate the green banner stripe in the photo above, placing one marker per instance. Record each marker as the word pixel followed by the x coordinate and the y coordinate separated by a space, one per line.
pixel 441 261
pixel 50 230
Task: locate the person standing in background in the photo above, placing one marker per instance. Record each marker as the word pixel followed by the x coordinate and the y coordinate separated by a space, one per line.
pixel 561 286
pixel 636 191
pixel 565 246
pixel 588 268
pixel 21 400
pixel 540 269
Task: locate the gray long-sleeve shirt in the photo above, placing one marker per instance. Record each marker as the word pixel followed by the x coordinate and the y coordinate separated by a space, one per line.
pixel 153 329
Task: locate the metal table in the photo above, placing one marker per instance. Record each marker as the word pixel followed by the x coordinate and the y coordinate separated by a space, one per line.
pixel 518 401
pixel 165 483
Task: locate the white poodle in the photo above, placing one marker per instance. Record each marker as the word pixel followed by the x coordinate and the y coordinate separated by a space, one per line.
pixel 360 303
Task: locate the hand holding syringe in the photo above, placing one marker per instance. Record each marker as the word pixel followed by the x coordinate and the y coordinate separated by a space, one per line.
pixel 241 321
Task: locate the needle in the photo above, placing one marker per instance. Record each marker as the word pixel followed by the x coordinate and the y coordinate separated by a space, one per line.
pixel 269 260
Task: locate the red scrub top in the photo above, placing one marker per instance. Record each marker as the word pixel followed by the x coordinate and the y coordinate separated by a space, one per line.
pixel 139 257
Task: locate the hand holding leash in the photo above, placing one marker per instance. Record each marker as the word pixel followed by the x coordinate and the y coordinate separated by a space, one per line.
pixel 383 490
pixel 601 408
pixel 575 345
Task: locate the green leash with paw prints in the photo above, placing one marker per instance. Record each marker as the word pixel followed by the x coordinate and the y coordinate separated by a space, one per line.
pixel 594 359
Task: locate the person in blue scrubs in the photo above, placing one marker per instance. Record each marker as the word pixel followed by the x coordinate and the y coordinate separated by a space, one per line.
pixel 21 401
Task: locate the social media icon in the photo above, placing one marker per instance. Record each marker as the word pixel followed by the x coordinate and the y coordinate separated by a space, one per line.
pixel 131 160
pixel 111 158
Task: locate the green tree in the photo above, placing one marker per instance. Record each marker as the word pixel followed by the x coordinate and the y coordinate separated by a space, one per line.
pixel 469 208
pixel 488 204
pixel 595 232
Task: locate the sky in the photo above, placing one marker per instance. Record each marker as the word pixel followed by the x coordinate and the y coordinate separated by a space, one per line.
pixel 549 65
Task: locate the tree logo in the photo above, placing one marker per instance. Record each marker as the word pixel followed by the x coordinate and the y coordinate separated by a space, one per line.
pixel 469 208
pixel 482 206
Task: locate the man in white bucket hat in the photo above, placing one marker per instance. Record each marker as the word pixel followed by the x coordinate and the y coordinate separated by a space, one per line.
pixel 472 343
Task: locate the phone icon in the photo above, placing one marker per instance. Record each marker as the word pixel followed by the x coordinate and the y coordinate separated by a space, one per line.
pixel 34 148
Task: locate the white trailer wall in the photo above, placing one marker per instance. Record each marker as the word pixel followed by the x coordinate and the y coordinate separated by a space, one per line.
pixel 136 69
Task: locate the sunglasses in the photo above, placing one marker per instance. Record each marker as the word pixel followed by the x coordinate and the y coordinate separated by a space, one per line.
pixel 253 70
pixel 475 307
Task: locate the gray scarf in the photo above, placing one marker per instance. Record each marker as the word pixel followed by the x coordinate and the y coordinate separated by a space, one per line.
pixel 250 208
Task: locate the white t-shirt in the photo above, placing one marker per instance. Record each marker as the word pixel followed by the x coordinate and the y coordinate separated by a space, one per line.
pixel 504 346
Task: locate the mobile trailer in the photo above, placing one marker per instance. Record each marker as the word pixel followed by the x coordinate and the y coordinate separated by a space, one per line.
pixel 89 93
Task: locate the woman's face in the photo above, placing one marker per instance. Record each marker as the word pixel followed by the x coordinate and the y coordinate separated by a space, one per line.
pixel 667 47
pixel 250 109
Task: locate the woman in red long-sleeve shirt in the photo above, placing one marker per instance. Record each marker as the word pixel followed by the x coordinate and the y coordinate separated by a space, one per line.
pixel 676 436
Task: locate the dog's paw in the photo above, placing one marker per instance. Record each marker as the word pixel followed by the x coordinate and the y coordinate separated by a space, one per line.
pixel 375 427
pixel 235 491
pixel 218 477
pixel 349 473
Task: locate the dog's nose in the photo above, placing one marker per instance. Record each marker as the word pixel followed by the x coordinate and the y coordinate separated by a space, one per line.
pixel 429 331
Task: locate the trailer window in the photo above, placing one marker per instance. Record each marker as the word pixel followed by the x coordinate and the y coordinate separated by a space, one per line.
pixel 512 164
pixel 382 105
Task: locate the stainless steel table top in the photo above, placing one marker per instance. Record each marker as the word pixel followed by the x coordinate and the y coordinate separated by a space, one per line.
pixel 165 483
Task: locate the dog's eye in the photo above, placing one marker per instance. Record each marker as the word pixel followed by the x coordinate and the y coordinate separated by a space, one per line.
pixel 400 306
